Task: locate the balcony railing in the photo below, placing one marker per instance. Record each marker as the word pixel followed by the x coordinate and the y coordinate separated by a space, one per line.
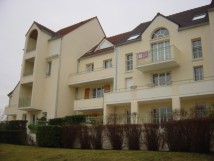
pixel 28 73
pixel 25 102
pixel 155 59
pixel 92 103
pixel 99 74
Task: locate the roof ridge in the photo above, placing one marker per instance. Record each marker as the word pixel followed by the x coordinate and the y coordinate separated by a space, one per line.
pixel 70 28
pixel 42 27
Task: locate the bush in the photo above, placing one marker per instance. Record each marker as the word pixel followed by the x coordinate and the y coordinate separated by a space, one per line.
pixel 68 120
pixel 190 135
pixel 133 133
pixel 96 136
pixel 32 128
pixel 48 136
pixel 13 132
pixel 85 137
pixel 115 134
pixel 69 133
pixel 152 136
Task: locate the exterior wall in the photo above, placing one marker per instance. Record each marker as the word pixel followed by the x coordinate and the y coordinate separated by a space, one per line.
pixel 72 49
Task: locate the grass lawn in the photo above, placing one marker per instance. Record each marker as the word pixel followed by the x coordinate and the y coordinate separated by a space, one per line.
pixel 30 153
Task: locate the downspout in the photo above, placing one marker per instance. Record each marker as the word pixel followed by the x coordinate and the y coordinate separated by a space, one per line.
pixel 116 68
pixel 58 80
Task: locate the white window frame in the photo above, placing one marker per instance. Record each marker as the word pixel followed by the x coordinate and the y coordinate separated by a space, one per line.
pixel 107 63
pixel 90 67
pixel 197 49
pixel 159 33
pixel 97 92
pixel 129 62
pixel 198 73
pixel 161 79
pixel 161 51
pixel 161 114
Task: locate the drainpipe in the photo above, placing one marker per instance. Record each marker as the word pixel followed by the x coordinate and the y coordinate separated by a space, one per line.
pixel 116 68
pixel 58 80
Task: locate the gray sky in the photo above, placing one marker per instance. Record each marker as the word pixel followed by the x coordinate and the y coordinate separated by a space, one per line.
pixel 115 16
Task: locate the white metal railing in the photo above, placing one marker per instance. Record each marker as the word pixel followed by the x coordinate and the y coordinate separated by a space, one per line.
pixel 157 55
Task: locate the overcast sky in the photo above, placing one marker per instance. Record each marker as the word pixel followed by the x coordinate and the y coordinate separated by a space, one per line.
pixel 115 16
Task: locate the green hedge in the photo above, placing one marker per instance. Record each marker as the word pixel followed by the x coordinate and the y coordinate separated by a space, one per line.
pixel 48 136
pixel 68 120
pixel 13 132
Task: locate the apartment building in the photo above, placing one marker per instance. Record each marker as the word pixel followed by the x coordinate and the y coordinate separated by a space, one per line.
pixel 139 76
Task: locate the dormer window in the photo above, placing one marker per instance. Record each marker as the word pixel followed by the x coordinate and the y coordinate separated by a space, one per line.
pixel 133 37
pixel 198 17
pixel 162 32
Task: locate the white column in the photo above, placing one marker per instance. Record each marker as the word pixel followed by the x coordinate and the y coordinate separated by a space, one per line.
pixel 134 112
pixel 176 107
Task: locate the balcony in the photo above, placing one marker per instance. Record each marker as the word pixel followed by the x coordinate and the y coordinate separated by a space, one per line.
pixel 87 104
pixel 162 58
pixel 101 75
pixel 25 104
pixel 10 110
pixel 181 88
pixel 27 77
pixel 30 54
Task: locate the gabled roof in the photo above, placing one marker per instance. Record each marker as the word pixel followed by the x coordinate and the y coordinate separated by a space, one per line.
pixel 113 39
pixel 43 28
pixel 183 20
pixel 63 31
pixel 68 29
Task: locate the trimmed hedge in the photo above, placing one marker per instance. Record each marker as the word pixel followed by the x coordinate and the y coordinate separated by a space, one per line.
pixel 191 135
pixel 68 120
pixel 13 132
pixel 69 134
pixel 48 136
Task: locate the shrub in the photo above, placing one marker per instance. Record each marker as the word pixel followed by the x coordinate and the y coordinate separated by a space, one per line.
pixel 190 135
pixel 115 134
pixel 13 132
pixel 96 136
pixel 69 133
pixel 48 136
pixel 32 128
pixel 133 133
pixel 152 136
pixel 85 137
pixel 68 120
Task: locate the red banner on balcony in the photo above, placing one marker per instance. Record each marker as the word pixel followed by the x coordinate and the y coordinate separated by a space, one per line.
pixel 143 55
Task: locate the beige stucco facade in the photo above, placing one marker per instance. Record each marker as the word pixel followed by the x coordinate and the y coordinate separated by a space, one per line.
pixel 113 90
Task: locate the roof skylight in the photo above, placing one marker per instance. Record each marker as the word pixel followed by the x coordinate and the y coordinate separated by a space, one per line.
pixel 132 37
pixel 198 17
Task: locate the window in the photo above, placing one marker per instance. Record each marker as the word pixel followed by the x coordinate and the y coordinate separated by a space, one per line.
pixel 129 83
pixel 162 32
pixel 198 73
pixel 129 62
pixel 200 110
pixel 97 92
pixel 160 115
pixel 49 65
pixel 196 49
pixel 161 51
pixel 89 67
pixel 198 17
pixel 108 63
pixel 160 79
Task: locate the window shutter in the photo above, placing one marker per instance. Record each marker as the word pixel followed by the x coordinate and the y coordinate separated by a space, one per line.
pixel 87 93
pixel 107 88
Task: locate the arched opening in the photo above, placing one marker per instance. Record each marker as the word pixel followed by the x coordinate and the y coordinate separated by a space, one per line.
pixel 159 33
pixel 32 40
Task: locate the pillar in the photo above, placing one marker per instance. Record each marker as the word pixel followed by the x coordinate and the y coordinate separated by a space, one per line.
pixel 134 112
pixel 176 107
